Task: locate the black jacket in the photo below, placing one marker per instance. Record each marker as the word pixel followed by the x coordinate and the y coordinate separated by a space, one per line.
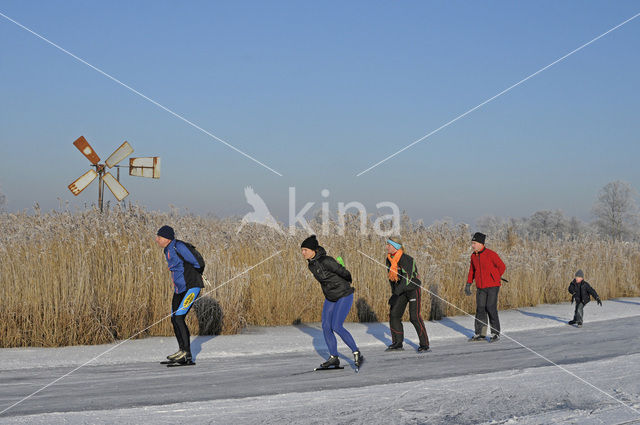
pixel 334 279
pixel 582 292
pixel 408 273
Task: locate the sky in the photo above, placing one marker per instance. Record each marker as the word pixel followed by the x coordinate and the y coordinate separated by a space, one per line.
pixel 319 92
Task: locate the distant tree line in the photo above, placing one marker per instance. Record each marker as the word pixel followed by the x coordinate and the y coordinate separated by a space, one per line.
pixel 614 212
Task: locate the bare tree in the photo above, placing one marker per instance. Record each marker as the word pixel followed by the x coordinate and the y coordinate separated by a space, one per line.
pixel 547 224
pixel 575 228
pixel 3 200
pixel 559 223
pixel 492 225
pixel 616 210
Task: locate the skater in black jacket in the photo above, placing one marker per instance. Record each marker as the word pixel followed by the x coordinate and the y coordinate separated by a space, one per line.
pixel 335 281
pixel 405 289
pixel 581 292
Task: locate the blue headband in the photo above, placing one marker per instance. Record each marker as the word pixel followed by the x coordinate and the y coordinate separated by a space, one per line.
pixel 394 244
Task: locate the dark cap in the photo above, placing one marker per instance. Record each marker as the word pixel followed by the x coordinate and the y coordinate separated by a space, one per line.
pixel 479 237
pixel 166 232
pixel 311 243
pixel 580 273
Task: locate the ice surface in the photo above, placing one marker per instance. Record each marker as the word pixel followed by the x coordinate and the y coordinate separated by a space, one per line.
pixel 458 383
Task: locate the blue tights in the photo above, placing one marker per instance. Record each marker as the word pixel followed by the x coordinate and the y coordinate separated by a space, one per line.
pixel 333 316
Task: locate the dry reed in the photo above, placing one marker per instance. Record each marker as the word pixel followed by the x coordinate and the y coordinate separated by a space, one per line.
pixel 87 278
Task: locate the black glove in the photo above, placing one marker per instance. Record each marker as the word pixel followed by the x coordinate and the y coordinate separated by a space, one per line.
pixel 599 302
pixel 467 289
pixel 572 299
pixel 393 299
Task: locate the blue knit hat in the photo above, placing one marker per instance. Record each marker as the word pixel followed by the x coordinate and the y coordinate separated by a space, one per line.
pixel 167 232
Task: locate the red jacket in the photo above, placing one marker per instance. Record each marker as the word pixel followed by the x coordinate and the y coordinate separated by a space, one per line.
pixel 486 268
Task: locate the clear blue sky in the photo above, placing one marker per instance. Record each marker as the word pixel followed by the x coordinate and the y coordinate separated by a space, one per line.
pixel 320 91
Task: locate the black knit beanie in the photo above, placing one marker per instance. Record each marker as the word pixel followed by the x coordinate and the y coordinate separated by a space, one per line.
pixel 311 243
pixel 479 237
pixel 166 232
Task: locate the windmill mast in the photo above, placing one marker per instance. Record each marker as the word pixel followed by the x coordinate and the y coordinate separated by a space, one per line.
pixel 100 186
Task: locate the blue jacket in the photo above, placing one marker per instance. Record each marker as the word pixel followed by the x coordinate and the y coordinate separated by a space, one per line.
pixel 176 266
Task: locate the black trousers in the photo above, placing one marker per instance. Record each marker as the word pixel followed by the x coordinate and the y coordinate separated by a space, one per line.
pixel 487 304
pixel 180 306
pixel 396 311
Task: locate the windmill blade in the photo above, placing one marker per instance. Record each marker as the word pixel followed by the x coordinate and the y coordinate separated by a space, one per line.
pixel 115 187
pixel 86 149
pixel 121 153
pixel 145 167
pixel 82 182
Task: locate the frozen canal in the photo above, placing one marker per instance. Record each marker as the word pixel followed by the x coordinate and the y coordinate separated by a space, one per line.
pixel 265 376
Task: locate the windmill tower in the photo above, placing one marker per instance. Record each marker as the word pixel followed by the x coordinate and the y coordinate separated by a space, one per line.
pixel 141 167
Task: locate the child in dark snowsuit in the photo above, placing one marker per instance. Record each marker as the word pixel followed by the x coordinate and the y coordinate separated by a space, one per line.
pixel 581 292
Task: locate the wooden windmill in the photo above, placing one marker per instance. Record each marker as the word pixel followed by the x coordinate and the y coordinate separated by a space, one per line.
pixel 141 167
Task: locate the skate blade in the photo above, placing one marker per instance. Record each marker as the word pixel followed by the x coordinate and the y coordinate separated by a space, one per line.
pixel 167 362
pixel 176 364
pixel 328 368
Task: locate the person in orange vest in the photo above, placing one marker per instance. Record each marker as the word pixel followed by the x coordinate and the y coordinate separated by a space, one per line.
pixel 406 288
pixel 486 269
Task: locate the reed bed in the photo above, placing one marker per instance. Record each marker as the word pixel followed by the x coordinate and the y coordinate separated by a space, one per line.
pixel 87 277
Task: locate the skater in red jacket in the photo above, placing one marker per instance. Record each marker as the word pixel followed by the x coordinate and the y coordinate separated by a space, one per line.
pixel 486 269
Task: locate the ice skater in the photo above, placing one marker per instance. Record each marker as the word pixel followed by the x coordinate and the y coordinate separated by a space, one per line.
pixel 406 288
pixel 581 292
pixel 187 282
pixel 335 281
pixel 486 269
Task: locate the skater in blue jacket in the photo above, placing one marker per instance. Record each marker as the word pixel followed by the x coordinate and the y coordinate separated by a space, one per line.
pixel 187 283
